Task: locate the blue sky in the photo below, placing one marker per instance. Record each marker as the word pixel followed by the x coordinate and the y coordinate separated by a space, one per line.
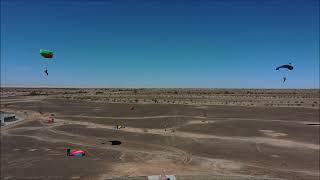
pixel 203 44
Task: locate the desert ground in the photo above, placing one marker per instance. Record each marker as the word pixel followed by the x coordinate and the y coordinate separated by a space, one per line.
pixel 189 133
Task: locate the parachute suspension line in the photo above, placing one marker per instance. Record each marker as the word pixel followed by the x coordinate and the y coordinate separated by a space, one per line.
pixel 284 73
pixel 283 76
pixel 46 64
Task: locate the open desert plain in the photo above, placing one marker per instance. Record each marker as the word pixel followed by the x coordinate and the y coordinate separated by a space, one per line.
pixel 187 133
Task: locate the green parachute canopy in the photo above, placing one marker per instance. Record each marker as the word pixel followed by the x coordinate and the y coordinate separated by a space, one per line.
pixel 46 53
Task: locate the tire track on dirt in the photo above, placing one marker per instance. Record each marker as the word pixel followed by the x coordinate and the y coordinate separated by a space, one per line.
pixel 215 119
pixel 254 140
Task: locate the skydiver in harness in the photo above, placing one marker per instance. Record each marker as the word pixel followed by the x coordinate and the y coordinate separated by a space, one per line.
pixel 46 71
pixel 284 79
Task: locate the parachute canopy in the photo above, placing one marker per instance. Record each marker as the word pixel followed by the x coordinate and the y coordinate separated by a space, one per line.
pixel 46 53
pixel 286 66
pixel 79 153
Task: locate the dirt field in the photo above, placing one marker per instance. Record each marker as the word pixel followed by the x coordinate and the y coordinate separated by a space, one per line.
pixel 192 134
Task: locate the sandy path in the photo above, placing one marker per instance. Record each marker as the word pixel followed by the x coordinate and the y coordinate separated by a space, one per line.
pixel 162 132
pixel 195 117
pixel 140 117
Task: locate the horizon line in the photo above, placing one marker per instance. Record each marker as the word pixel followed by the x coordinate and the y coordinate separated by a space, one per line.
pixel 97 87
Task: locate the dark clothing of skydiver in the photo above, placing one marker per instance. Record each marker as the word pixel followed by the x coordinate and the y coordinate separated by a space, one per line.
pixel 46 71
pixel 284 79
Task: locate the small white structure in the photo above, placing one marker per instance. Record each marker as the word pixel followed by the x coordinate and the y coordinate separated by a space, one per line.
pixel 7 117
pixel 162 177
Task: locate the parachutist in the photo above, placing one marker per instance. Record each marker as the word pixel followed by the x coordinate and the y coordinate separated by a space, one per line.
pixel 46 71
pixel 285 69
pixel 47 55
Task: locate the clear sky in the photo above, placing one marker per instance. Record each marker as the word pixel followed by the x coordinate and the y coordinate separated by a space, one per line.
pixel 203 44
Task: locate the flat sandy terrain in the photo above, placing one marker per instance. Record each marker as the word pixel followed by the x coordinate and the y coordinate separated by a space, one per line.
pixel 190 133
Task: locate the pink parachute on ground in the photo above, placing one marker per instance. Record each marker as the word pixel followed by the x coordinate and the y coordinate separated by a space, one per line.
pixel 79 153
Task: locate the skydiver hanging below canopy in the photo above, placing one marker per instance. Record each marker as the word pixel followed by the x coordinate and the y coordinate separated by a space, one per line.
pixel 47 55
pixel 284 79
pixel 285 69
pixel 46 71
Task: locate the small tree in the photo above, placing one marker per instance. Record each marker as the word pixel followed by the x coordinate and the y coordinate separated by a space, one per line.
pixel 33 93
